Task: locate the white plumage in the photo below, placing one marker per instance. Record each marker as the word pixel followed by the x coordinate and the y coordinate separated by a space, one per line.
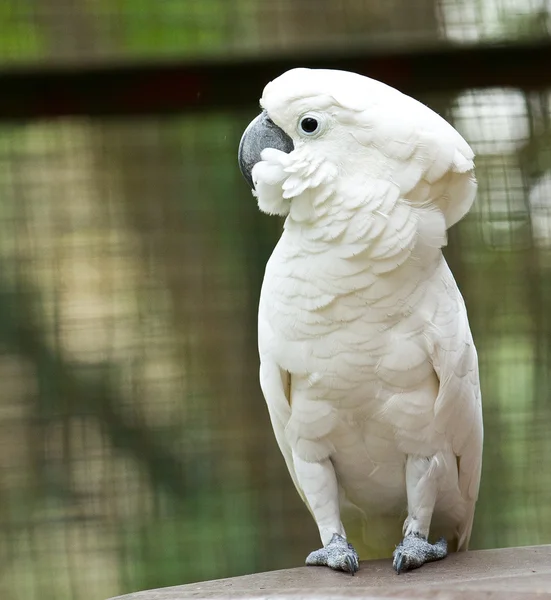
pixel 368 366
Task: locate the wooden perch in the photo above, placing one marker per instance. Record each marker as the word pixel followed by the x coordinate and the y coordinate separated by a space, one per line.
pixel 510 573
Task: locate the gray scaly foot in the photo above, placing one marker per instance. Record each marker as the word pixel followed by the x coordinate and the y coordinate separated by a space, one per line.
pixel 414 551
pixel 338 555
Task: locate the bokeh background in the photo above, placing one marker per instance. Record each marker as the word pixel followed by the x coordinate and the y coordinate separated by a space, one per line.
pixel 135 447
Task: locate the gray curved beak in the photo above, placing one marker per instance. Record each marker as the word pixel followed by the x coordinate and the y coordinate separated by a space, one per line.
pixel 261 133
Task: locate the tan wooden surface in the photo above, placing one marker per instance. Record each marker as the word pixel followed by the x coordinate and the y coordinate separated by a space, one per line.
pixel 511 573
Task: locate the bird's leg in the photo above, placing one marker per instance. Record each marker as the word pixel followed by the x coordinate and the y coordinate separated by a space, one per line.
pixel 422 487
pixel 319 484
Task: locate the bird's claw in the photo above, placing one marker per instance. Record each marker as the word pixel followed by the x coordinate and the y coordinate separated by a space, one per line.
pixel 338 555
pixel 398 562
pixel 414 551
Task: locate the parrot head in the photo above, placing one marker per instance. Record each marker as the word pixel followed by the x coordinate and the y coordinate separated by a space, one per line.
pixel 327 140
pixel 305 135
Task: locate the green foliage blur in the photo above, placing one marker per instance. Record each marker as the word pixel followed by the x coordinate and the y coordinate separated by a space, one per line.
pixel 136 447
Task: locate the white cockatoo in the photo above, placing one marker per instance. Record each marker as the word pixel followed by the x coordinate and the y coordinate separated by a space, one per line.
pixel 368 365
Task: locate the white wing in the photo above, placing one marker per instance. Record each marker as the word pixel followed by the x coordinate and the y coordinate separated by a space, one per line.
pixel 458 407
pixel 275 384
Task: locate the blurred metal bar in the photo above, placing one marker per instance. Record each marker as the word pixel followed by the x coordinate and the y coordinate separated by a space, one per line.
pixel 176 87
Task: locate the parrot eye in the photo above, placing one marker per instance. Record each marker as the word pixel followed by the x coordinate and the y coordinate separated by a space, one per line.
pixel 309 125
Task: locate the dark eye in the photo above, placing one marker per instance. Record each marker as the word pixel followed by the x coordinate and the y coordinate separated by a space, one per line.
pixel 309 125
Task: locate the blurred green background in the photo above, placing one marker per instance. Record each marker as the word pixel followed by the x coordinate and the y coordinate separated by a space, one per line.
pixel 136 450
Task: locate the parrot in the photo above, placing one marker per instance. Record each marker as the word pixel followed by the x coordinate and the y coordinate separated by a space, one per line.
pixel 367 361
